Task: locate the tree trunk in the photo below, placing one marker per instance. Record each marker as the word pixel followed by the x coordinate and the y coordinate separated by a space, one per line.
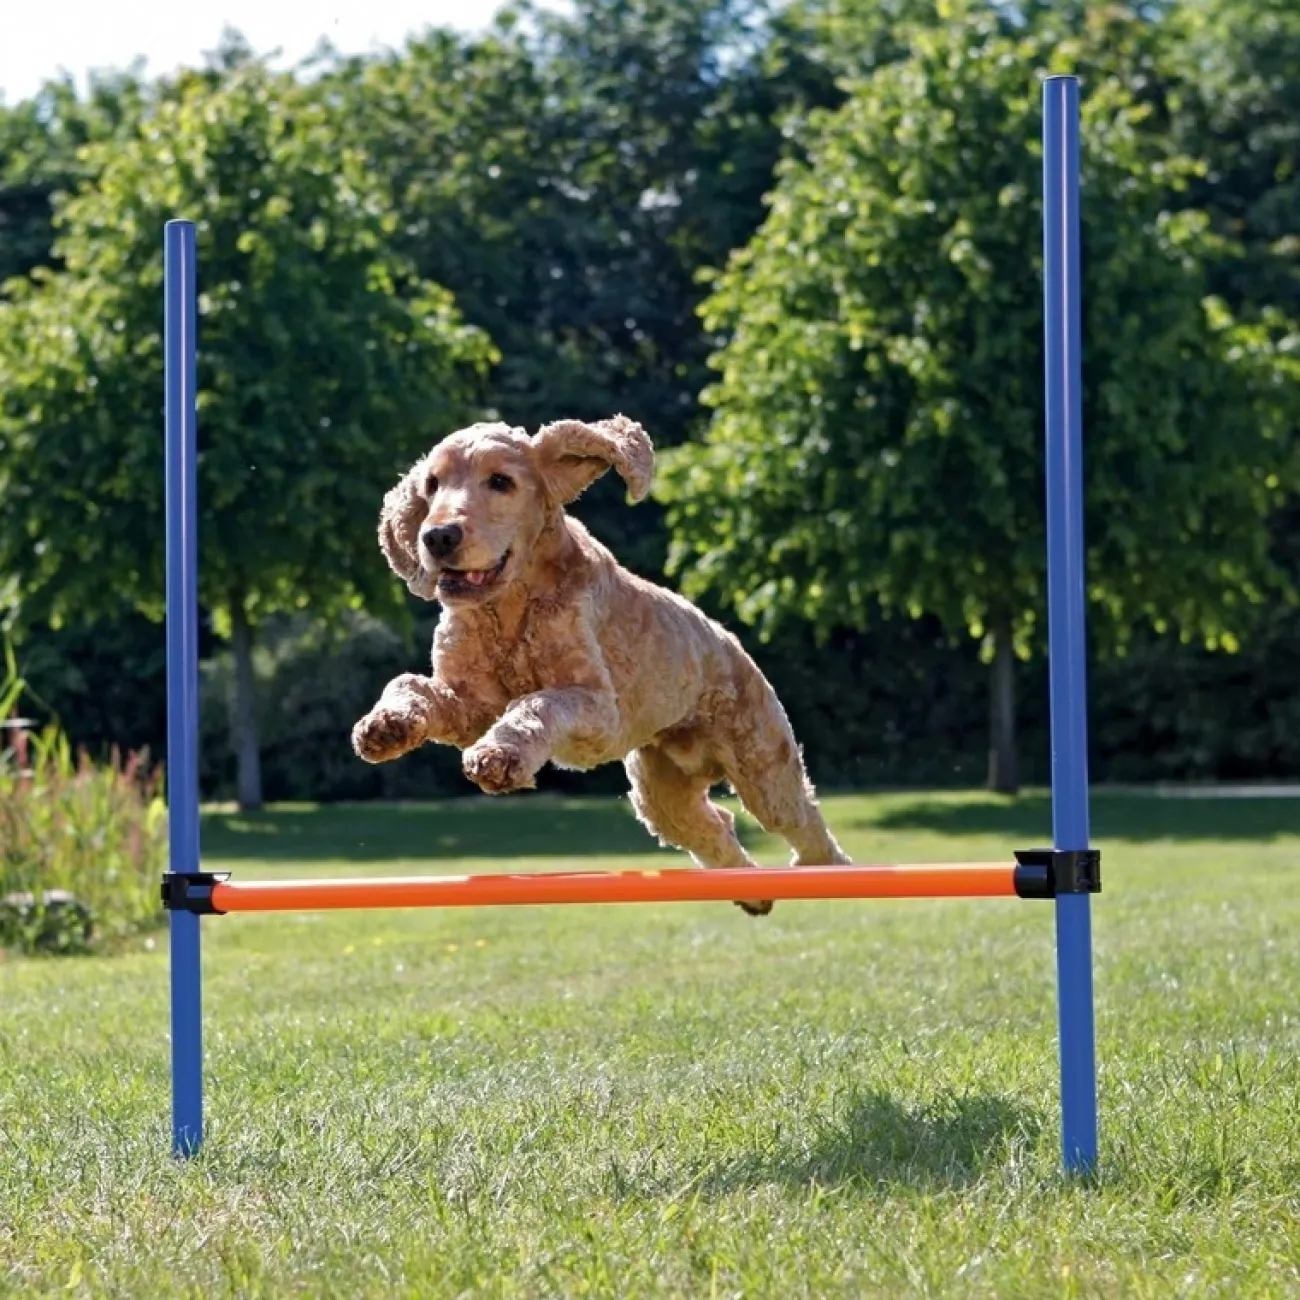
pixel 243 717
pixel 1004 775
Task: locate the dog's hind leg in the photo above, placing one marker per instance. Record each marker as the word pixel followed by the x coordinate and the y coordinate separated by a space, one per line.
pixel 766 770
pixel 674 804
pixel 783 803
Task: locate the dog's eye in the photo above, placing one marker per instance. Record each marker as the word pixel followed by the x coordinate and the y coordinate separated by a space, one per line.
pixel 430 485
pixel 500 482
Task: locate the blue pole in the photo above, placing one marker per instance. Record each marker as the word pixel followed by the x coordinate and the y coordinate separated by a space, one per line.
pixel 1065 599
pixel 183 677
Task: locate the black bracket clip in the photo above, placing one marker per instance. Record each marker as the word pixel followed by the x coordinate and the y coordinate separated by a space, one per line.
pixel 1045 873
pixel 191 891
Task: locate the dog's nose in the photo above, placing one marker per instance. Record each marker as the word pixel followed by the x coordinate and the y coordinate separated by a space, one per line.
pixel 442 540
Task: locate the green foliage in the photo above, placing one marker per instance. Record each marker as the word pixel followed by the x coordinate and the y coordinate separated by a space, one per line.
pixel 326 363
pixel 42 143
pixel 894 704
pixel 1232 67
pixel 916 713
pixel 104 682
pixel 897 704
pixel 1166 711
pixel 315 679
pixel 877 433
pixel 847 39
pixel 567 177
pixel 82 844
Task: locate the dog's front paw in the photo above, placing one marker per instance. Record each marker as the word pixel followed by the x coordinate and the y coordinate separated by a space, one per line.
pixel 383 734
pixel 755 907
pixel 497 768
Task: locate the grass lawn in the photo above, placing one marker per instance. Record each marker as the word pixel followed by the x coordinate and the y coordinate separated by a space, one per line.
pixel 852 1099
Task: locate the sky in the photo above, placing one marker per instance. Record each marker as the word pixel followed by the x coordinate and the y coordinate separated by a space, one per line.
pixel 40 39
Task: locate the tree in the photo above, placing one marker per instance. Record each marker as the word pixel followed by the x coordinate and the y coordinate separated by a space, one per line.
pixel 877 435
pixel 567 177
pixel 326 365
pixel 41 144
pixel 1231 64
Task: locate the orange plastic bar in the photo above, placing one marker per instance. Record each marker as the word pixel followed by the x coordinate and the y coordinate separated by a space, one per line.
pixel 936 880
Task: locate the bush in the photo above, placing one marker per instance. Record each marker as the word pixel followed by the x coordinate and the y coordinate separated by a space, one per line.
pixel 82 844
pixel 315 678
pixel 898 705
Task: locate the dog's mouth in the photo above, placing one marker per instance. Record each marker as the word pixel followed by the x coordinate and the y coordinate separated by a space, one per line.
pixel 466 582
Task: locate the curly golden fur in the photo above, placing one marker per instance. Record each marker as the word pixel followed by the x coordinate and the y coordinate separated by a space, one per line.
pixel 548 650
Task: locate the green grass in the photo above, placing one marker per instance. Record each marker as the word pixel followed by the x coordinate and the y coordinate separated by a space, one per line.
pixel 850 1099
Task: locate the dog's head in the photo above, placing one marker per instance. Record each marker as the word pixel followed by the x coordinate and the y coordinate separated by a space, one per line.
pixel 466 519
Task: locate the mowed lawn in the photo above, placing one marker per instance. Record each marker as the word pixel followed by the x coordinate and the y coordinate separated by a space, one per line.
pixel 842 1099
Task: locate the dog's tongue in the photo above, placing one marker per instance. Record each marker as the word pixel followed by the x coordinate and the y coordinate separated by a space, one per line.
pixel 476 577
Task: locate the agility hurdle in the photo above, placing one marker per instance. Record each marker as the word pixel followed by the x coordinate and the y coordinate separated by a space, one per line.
pixel 1069 872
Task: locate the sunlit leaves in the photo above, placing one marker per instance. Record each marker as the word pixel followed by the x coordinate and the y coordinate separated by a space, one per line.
pixel 877 434
pixel 326 363
pixel 567 179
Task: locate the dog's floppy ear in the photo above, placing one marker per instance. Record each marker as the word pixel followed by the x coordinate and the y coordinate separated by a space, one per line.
pixel 572 455
pixel 399 529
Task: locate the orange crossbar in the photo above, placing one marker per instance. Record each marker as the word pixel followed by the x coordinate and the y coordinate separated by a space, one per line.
pixel 935 880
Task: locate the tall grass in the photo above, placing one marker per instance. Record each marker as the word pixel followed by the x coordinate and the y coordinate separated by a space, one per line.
pixel 80 841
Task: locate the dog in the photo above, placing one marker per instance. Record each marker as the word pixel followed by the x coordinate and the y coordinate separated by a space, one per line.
pixel 548 650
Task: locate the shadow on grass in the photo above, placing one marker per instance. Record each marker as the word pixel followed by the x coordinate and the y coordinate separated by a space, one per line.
pixel 949 1142
pixel 514 827
pixel 1027 821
